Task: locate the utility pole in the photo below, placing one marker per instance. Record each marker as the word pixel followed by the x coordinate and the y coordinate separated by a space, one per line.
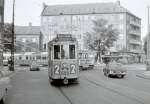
pixel 12 39
pixel 148 38
pixel 1 30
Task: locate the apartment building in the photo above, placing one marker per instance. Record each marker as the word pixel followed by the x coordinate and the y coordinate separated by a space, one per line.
pixel 77 19
pixel 29 37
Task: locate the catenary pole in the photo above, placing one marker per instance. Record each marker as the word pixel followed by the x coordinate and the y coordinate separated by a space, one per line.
pixel 12 38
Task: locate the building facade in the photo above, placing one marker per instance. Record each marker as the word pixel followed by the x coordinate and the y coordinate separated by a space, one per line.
pixel 78 19
pixel 28 38
pixel 1 30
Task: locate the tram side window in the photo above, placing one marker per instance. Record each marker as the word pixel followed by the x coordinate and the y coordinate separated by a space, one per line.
pixel 20 58
pixel 38 57
pixel 72 51
pixel 56 52
pixel 26 57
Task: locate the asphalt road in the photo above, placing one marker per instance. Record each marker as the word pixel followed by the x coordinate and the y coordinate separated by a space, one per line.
pixel 93 88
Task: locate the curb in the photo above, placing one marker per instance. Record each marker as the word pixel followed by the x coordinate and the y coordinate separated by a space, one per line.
pixel 9 74
pixel 143 76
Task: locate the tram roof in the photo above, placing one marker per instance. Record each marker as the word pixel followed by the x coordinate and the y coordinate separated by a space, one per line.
pixel 63 38
pixel 111 56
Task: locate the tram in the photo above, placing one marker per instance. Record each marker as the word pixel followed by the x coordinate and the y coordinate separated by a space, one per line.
pixel 63 59
pixel 86 60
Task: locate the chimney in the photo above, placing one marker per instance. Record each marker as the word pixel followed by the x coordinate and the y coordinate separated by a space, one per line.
pixel 118 2
pixel 44 5
pixel 30 24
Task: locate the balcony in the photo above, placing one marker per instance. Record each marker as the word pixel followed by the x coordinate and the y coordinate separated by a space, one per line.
pixel 137 42
pixel 134 32
pixel 135 50
pixel 135 23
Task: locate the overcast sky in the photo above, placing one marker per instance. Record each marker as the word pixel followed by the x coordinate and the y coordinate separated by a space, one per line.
pixel 29 10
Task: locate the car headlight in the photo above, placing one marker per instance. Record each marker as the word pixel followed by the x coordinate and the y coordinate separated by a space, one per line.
pixel 56 69
pixel 72 69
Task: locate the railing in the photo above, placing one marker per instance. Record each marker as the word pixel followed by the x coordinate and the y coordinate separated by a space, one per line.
pixel 135 23
pixel 132 41
pixel 134 32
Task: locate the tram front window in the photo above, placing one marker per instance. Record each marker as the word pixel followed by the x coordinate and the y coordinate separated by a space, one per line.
pixel 56 52
pixel 64 52
pixel 72 51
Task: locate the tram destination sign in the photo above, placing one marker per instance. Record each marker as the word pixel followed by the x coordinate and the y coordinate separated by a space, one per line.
pixel 64 35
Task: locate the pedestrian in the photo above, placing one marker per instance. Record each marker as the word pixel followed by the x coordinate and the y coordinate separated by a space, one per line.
pixel 148 66
pixel 10 64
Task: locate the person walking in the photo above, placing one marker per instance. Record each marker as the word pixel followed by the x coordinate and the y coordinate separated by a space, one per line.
pixel 10 64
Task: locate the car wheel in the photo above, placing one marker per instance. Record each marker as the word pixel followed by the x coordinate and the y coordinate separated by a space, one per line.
pixel 2 101
pixel 120 76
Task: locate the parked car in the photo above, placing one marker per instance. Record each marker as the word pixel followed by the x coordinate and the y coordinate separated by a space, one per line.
pixel 114 69
pixel 4 85
pixel 34 67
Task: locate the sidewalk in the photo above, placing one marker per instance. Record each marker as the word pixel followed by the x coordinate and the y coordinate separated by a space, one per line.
pixel 145 75
pixel 7 73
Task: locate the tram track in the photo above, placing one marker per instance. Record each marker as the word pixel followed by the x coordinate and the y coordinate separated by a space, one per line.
pixel 63 93
pixel 112 90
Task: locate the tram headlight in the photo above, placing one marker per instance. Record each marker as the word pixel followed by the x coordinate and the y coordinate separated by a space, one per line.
pixel 64 65
pixel 72 69
pixel 56 69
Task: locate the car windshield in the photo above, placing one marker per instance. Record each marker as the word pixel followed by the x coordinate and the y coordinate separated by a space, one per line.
pixel 114 64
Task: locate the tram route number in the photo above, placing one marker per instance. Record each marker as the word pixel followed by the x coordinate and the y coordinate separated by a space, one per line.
pixel 56 69
pixel 72 69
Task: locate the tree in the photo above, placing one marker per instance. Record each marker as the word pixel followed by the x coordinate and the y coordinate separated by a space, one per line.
pixel 101 38
pixel 7 36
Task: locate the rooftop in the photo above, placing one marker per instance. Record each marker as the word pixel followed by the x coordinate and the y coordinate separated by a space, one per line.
pixel 27 30
pixel 94 8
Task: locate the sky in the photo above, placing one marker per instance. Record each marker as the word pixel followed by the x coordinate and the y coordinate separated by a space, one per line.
pixel 29 10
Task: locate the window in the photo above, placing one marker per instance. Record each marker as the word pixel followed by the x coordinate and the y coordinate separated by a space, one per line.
pixel 44 58
pixel 121 27
pixel 38 57
pixel 26 57
pixel 64 52
pixel 20 58
pixel 33 39
pixel 45 46
pixel 72 51
pixel 1 74
pixel 74 18
pixel 121 16
pixel 56 52
pixel 86 56
pixel 23 40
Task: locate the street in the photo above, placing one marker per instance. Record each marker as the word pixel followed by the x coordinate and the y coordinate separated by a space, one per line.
pixel 93 88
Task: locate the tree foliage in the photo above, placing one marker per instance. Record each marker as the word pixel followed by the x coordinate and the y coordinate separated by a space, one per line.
pixel 7 36
pixel 101 38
